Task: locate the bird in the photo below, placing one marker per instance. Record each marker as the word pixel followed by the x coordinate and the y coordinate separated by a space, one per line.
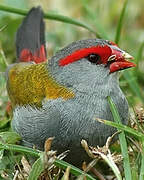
pixel 61 97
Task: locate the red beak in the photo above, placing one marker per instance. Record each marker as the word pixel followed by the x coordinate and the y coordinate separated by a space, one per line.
pixel 120 60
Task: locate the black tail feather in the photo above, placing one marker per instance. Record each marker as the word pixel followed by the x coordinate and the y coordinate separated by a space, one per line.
pixel 30 34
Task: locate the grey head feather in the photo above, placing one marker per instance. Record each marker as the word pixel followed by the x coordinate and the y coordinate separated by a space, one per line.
pixel 72 120
pixel 85 43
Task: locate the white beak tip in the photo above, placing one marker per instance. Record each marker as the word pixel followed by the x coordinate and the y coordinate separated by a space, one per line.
pixel 127 56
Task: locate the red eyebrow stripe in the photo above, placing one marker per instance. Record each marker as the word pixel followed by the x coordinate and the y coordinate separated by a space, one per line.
pixel 103 51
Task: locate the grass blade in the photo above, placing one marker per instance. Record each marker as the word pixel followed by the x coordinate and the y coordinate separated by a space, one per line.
pixel 130 78
pixel 9 137
pixel 50 16
pixel 74 170
pixel 66 174
pixel 3 62
pixel 37 169
pixel 122 127
pixel 2 28
pixel 141 176
pixel 139 54
pixel 123 143
pixel 120 23
pixel 109 160
pixel 21 149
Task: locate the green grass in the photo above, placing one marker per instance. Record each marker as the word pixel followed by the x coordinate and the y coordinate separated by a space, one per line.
pixel 123 143
pixel 50 16
pixel 133 81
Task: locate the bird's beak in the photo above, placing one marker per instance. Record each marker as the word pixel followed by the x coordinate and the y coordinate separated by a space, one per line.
pixel 119 60
pixel 127 55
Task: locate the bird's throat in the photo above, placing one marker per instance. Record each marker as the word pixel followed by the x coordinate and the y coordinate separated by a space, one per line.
pixel 30 84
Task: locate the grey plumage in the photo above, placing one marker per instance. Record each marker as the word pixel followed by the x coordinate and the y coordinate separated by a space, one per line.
pixel 72 120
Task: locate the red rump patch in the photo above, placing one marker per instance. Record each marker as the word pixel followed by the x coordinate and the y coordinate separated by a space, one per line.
pixel 103 51
pixel 38 57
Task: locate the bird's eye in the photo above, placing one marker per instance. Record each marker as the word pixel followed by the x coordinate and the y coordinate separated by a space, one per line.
pixel 94 58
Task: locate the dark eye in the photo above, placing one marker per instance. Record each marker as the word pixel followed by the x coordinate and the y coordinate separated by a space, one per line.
pixel 94 58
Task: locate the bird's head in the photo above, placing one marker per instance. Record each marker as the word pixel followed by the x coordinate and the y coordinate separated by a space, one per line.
pixel 88 60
